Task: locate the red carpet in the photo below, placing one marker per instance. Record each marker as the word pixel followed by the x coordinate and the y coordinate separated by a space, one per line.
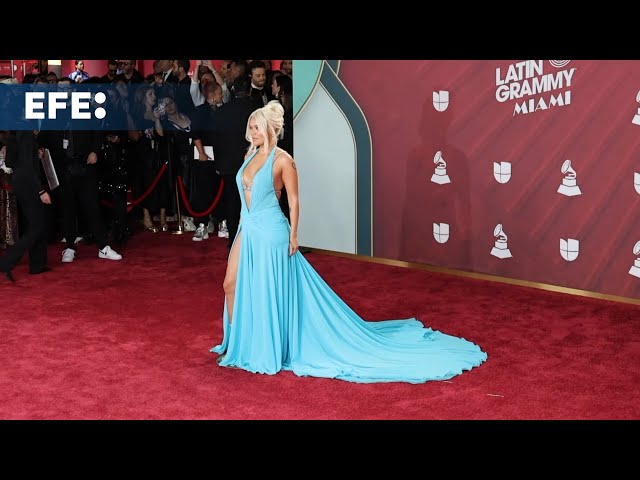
pixel 98 339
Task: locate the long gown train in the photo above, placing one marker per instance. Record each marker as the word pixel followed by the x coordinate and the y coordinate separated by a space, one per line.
pixel 286 317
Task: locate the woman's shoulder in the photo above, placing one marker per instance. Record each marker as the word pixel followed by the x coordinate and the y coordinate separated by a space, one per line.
pixel 283 154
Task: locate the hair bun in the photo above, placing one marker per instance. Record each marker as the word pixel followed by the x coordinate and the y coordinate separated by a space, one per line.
pixel 275 108
pixel 274 114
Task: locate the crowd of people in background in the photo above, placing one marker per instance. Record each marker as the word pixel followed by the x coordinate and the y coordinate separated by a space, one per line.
pixel 172 143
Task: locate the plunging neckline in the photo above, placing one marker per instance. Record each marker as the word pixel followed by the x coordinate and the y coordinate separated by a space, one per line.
pixel 250 185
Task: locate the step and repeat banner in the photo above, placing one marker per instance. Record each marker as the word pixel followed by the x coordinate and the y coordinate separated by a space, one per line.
pixel 523 169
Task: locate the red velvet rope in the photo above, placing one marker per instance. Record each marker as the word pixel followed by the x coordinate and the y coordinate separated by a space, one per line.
pixel 145 194
pixel 183 194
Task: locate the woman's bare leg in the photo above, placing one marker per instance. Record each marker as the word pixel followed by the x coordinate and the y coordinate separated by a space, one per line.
pixel 231 276
pixel 163 220
pixel 148 222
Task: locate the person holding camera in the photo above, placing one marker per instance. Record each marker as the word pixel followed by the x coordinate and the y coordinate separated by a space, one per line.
pixel 150 150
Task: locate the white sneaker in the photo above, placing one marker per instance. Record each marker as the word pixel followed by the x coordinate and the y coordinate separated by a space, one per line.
pixel 109 254
pixel 188 225
pixel 68 255
pixel 201 233
pixel 211 226
pixel 223 232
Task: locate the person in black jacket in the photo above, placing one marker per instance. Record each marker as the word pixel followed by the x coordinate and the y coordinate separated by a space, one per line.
pixel 22 155
pixel 112 165
pixel 206 180
pixel 260 90
pixel 230 146
pixel 75 153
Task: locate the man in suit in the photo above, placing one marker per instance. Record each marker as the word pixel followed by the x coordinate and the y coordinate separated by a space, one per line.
pixel 21 154
pixel 180 84
pixel 230 146
pixel 258 76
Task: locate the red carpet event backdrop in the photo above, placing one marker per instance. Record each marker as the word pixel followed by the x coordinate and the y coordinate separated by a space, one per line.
pixel 522 169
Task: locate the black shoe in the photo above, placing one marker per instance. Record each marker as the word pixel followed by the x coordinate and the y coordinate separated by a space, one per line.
pixel 46 268
pixel 8 276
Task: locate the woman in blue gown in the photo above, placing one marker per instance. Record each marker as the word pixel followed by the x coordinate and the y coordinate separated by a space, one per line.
pixel 279 314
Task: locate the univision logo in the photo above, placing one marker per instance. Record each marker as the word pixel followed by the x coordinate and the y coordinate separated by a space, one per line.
pixel 441 100
pixel 441 232
pixel 502 171
pixel 569 249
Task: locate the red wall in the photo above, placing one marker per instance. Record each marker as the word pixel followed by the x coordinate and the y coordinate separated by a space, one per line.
pixel 99 67
pixel 5 67
pixel 595 132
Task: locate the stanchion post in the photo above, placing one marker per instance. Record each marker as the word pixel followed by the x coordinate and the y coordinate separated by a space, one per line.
pixel 180 229
pixel 170 175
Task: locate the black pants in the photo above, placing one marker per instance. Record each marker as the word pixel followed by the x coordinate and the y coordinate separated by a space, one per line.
pixel 203 187
pixel 113 183
pixel 82 190
pixel 119 210
pixel 33 233
pixel 55 217
pixel 233 204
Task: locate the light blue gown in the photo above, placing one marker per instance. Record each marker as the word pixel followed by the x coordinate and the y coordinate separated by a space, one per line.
pixel 285 317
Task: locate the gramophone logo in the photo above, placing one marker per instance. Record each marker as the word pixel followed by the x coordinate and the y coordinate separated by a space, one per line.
pixel 500 248
pixel 569 249
pixel 635 268
pixel 441 100
pixel 440 175
pixel 569 185
pixel 636 181
pixel 502 171
pixel 441 232
pixel 636 117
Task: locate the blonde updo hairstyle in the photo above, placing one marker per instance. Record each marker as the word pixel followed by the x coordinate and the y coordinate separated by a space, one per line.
pixel 270 120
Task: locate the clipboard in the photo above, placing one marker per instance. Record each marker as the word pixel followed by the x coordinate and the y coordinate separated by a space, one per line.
pixel 208 149
pixel 49 170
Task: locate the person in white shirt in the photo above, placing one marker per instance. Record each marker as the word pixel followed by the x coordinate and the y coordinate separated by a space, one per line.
pixel 79 75
pixel 202 75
